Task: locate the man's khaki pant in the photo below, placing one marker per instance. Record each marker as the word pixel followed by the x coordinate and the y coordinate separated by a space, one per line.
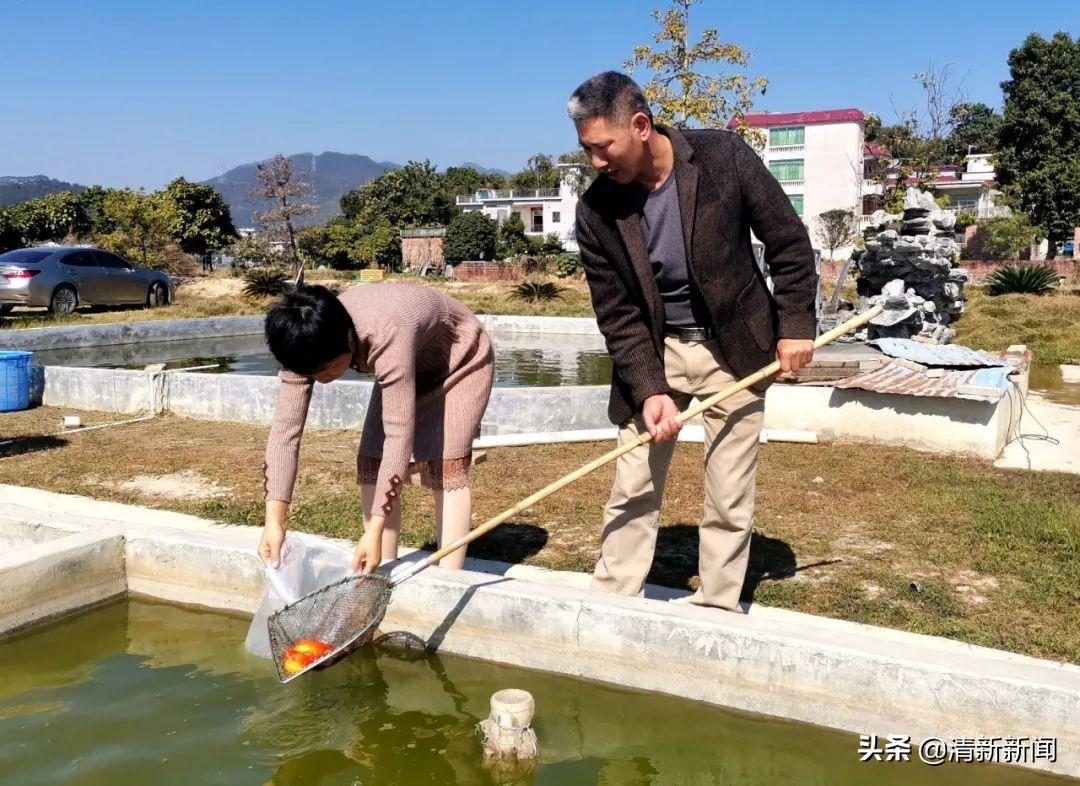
pixel 632 514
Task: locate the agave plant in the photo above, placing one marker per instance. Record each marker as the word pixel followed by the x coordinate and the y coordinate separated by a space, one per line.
pixel 1026 278
pixel 537 291
pixel 264 282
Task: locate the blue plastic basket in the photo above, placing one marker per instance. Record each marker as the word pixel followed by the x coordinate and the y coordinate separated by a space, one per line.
pixel 14 380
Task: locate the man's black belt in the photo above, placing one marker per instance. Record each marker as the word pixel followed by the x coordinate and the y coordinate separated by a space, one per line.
pixel 689 333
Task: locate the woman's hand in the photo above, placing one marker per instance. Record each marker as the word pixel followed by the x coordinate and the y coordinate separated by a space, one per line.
pixel 369 548
pixel 273 534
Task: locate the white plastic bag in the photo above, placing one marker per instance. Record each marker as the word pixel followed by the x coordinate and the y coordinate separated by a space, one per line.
pixel 308 562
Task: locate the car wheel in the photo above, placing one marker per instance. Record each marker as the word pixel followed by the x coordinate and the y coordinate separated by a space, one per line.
pixel 64 300
pixel 157 296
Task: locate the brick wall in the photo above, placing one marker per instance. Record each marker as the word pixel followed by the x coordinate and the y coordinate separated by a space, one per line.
pixel 978 269
pixel 488 271
pixel 981 269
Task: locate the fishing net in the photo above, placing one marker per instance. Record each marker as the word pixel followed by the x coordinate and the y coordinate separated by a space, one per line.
pixel 328 624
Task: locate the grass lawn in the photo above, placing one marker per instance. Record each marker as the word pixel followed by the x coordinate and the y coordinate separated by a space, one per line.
pixel 220 295
pixel 206 297
pixel 841 529
pixel 1048 324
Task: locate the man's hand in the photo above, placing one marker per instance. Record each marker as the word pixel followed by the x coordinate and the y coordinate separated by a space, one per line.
pixel 659 413
pixel 369 548
pixel 794 353
pixel 273 534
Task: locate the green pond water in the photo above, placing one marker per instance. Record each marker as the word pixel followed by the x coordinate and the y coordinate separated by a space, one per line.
pixel 147 693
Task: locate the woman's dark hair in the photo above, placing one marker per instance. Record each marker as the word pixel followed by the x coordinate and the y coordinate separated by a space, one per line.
pixel 308 328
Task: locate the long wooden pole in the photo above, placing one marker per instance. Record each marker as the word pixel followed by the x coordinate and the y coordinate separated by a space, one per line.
pixel 691 412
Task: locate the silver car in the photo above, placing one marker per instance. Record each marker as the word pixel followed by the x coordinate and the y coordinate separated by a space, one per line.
pixel 63 278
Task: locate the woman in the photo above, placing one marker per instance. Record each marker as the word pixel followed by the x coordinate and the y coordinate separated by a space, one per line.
pixel 433 366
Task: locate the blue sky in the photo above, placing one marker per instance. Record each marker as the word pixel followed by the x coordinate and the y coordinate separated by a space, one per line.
pixel 135 92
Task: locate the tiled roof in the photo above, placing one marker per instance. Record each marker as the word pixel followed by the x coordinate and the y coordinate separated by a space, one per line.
pixel 768 119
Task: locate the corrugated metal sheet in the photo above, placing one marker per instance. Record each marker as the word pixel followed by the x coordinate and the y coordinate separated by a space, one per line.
pixel 978 384
pixel 936 355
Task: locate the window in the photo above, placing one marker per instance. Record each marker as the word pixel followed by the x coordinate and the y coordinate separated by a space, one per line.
pixel 796 202
pixel 787 135
pixel 27 256
pixel 80 259
pixel 105 259
pixel 787 169
pixel 555 216
pixel 963 201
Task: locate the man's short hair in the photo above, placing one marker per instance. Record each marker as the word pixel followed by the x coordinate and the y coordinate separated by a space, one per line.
pixel 610 95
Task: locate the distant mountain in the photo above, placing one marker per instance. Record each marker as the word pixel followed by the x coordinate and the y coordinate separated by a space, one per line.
pixel 484 170
pixel 331 174
pixel 20 189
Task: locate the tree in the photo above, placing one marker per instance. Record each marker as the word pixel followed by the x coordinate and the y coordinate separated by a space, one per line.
pixel 380 246
pixel 460 180
pixel 142 224
pixel 470 235
pixel 336 245
pixel 975 130
pixel 10 232
pixel 581 177
pixel 254 251
pixel 65 215
pixel 285 191
pixel 201 218
pixel 412 196
pixel 834 229
pixel 917 142
pixel 93 200
pixel 1038 161
pixel 872 128
pixel 539 172
pixel 512 241
pixel 681 95
pixel 1008 238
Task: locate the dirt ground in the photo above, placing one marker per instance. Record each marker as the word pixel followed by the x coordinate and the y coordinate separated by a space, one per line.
pixel 841 530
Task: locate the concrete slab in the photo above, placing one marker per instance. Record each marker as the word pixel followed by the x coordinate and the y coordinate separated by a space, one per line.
pixel 1031 450
pixel 829 672
pixel 129 332
pixel 1070 373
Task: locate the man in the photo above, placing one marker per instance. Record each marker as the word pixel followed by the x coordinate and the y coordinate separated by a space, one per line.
pixel 665 241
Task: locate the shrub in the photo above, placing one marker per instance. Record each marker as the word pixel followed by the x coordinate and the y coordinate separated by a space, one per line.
pixel 568 264
pixel 1009 237
pixel 531 265
pixel 511 238
pixel 265 282
pixel 1030 279
pixel 964 220
pixel 551 244
pixel 470 236
pixel 537 291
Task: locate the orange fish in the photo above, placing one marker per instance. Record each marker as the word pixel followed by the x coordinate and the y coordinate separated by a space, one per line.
pixel 295 662
pixel 313 647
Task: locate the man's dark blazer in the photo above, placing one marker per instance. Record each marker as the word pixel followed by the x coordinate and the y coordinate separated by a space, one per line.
pixel 724 191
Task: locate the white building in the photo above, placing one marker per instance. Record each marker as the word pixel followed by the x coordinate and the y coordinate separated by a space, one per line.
pixel 817 157
pixel 970 187
pixel 544 211
pixel 823 163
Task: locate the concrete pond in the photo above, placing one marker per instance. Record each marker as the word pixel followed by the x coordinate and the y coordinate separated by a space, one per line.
pixel 554 378
pixel 122 628
pixel 628 690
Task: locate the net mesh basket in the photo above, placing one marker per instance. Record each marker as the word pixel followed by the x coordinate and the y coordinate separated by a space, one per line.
pixel 344 615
